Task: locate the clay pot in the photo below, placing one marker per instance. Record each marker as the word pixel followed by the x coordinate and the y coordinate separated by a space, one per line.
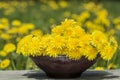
pixel 63 67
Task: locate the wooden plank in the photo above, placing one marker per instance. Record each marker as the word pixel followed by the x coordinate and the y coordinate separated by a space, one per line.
pixel 40 75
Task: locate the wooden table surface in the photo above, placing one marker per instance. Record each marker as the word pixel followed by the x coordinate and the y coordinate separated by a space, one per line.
pixel 40 75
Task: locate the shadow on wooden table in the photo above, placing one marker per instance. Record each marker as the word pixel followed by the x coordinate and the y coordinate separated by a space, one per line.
pixel 36 74
pixel 98 75
pixel 87 75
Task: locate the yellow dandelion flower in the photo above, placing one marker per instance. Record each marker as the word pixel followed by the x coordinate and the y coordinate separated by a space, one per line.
pixel 70 28
pixel 83 16
pixel 13 30
pixel 2 26
pixel 103 21
pixel 92 26
pixel 102 13
pixel 57 30
pixel 111 66
pixel 45 39
pixel 57 41
pixel 74 54
pixel 9 47
pixel 5 36
pixel 90 53
pixel 89 24
pixel 85 40
pixel 77 32
pixel 107 52
pixel 68 32
pixel 113 43
pixel 63 3
pixel 29 45
pixel 99 39
pixel 4 64
pixel 72 43
pixel 29 26
pixel 52 51
pixel 53 4
pixel 117 26
pixel 4 20
pixel 22 30
pixel 54 46
pixel 116 20
pixel 99 68
pixel 86 48
pixel 16 23
pixel 3 53
pixel 68 23
pixel 37 32
pixel 89 6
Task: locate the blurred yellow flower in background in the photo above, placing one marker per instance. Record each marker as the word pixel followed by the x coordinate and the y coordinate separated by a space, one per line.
pixel 5 36
pixel 53 5
pixel 9 47
pixel 16 23
pixel 116 20
pixel 111 66
pixel 3 53
pixel 4 21
pixel 25 28
pixel 99 68
pixel 5 63
pixel 63 3
pixel 2 26
pixel 13 30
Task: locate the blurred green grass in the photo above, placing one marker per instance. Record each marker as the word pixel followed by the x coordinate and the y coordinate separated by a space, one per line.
pixel 40 17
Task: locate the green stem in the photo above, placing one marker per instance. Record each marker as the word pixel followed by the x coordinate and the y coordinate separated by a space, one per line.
pixel 13 65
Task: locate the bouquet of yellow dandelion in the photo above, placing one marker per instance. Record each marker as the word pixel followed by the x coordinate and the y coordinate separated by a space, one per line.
pixel 67 43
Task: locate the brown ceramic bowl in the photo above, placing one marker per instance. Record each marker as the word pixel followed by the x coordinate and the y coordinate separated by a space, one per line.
pixel 62 67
